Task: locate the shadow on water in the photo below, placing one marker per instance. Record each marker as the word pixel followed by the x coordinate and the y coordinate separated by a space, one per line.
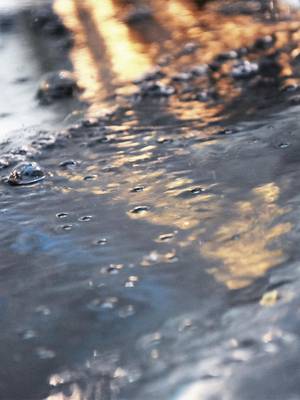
pixel 158 259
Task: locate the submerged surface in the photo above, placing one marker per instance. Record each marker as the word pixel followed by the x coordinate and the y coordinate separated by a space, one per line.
pixel 159 257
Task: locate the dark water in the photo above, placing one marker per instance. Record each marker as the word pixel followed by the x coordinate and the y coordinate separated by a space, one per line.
pixel 158 259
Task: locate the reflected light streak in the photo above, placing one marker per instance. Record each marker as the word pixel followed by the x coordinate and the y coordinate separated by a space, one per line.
pixel 128 58
pixel 243 244
pixel 251 255
pixel 85 67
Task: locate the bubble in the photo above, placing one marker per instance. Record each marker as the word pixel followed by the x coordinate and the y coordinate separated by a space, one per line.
pixel 131 281
pixel 283 145
pixel 66 227
pixel 137 189
pixel 139 209
pixel 26 174
pixel 85 218
pixel 197 190
pixel 62 215
pixel 68 163
pixel 165 237
pixel 90 177
pixel 154 257
pixel 112 269
pixel 101 242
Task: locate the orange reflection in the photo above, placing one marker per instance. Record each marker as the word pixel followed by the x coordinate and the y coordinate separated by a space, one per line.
pixel 85 66
pixel 127 57
pixel 246 245
pixel 107 55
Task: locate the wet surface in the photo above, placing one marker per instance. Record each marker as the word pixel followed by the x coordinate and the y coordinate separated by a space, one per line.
pixel 158 257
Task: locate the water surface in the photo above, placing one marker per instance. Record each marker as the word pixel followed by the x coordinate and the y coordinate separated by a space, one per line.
pixel 159 257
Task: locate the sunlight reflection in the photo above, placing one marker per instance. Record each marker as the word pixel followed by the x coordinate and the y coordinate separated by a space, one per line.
pixel 107 54
pixel 85 66
pixel 127 57
pixel 246 245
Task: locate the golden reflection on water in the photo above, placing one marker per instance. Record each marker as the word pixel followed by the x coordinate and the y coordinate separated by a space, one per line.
pixel 84 63
pixel 127 57
pixel 246 244
pixel 104 53
pixel 108 53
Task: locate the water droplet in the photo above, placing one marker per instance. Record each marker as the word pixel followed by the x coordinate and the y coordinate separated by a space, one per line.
pixel 137 189
pixel 165 237
pixel 283 145
pixel 62 215
pixel 139 209
pixel 25 174
pixel 131 281
pixel 154 257
pixel 85 218
pixel 67 163
pixel 197 190
pixel 66 227
pixel 90 177
pixel 112 269
pixel 101 242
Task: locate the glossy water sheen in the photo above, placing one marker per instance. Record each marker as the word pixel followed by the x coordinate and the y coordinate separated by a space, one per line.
pixel 158 259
